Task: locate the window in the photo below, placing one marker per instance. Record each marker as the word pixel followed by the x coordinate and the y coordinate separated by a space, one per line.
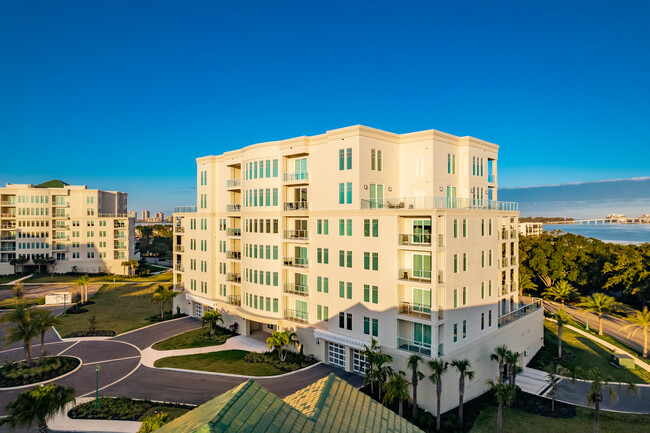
pixel 348 317
pixel 455 263
pixel 455 229
pixel 341 289
pixel 464 295
pixel 482 321
pixel 482 289
pixel 341 258
pixel 422 266
pixel 375 261
pixel 366 260
pixel 464 261
pixel 319 227
pixel 455 298
pixel 464 228
pixel 349 290
pixel 348 188
pixel 326 227
pixel 422 300
pixel 376 195
pixel 341 193
pixel 341 159
pixel 341 320
pixel 455 332
pixel 366 325
pixel 376 160
pixel 451 163
pixel 275 168
pixel 375 327
pixel 464 328
pixel 348 158
pixel 489 318
pixel 326 254
pixel 349 259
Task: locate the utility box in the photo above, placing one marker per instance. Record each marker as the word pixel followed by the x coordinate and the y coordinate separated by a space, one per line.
pixel 57 298
pixel 623 360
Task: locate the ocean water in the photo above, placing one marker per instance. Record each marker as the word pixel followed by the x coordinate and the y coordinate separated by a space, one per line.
pixel 615 233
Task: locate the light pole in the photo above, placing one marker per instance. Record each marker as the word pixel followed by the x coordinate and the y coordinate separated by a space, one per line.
pixel 587 325
pixel 96 387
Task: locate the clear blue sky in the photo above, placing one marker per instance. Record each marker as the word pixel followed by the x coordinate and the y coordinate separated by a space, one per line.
pixel 126 94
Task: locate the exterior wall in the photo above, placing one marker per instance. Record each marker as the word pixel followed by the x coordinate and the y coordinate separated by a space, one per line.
pixel 426 176
pixel 84 230
pixel 531 229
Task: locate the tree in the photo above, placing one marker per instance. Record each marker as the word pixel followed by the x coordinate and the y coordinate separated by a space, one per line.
pixel 641 322
pixel 146 232
pixel 25 330
pixel 18 289
pixel 40 403
pixel 463 367
pixel 511 360
pixel 152 423
pixel 438 368
pixel 562 318
pixel 562 291
pixel 504 394
pixel 281 339
pixel 553 382
pixel 162 295
pixel 600 304
pixel 382 370
pixel 44 321
pixel 599 381
pixel 397 388
pixel 211 318
pixel 83 282
pixel 134 266
pixel 526 282
pixel 21 260
pixel 124 264
pixel 416 376
pixel 499 355
pixel 370 353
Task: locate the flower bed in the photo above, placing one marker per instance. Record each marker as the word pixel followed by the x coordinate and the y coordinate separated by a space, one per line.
pixel 294 361
pixel 125 409
pixel 95 333
pixel 17 373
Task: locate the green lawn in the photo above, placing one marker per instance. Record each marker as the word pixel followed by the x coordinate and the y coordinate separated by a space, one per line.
pixel 228 361
pixel 586 354
pixel 188 340
pixel 119 308
pixel 66 278
pixel 516 421
pixel 13 302
pixel 4 279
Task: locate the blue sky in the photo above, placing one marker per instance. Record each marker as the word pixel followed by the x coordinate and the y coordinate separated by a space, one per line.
pixel 125 95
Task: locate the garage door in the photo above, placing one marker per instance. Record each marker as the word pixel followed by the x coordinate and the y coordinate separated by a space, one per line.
pixel 336 354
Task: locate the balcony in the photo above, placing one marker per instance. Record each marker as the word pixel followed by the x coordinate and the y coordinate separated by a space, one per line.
pixel 492 178
pixel 513 260
pixel 8 227
pixel 7 238
pixel 441 277
pixel 179 267
pixel 520 312
pixel 233 208
pixel 296 205
pixel 61 204
pixel 184 209
pixel 441 313
pixel 60 247
pixel 504 262
pixel 179 248
pixel 438 203
pixel 7 249
pixel 298 262
pixel 441 349
pixel 417 240
pixel 296 316
pixel 504 289
pixel 414 275
pixel 233 277
pixel 179 229
pixel 503 234
pixel 296 289
pixel 514 234
pixel 233 232
pixel 414 310
pixel 233 183
pixel 8 215
pixel 61 238
pixel 7 203
pixel 297 177
pixel 61 216
pixel 233 300
pixel 441 240
pixel 233 255
pixel 296 234
pixel 119 225
pixel 414 346
pixel 119 246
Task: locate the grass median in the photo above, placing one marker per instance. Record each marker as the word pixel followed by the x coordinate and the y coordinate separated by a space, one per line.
pixel 227 361
pixel 70 278
pixel 195 338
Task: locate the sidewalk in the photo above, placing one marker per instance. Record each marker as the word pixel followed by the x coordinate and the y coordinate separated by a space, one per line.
pixel 62 422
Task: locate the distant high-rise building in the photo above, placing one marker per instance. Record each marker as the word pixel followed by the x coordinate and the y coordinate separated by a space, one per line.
pixel 160 216
pixel 145 215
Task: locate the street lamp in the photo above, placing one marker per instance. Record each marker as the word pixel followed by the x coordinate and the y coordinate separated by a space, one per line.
pixel 587 326
pixel 96 387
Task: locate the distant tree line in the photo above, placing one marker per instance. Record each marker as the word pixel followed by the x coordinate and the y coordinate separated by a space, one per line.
pixel 543 219
pixel 155 240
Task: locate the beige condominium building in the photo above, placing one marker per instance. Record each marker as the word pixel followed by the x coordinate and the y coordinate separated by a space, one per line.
pixel 81 229
pixel 356 234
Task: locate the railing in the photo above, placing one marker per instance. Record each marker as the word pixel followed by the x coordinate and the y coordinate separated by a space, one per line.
pixel 296 289
pixel 441 240
pixel 414 346
pixel 504 289
pixel 296 205
pixel 492 178
pixel 296 234
pixel 235 255
pixel 233 232
pixel 8 227
pixel 233 277
pixel 179 229
pixel 61 216
pixel 414 274
pixel 4 249
pixel 441 349
pixel 119 246
pixel 503 234
pixel 233 208
pixel 414 310
pixel 296 316
pixel 504 262
pixel 60 248
pixel 119 225
pixel 7 203
pixel 514 233
pixel 520 312
pixel 297 176
pixel 179 287
pixel 299 262
pixel 441 277
pixel 406 239
pixel 116 215
pixel 179 248
pixel 184 209
pixel 7 238
pixel 7 215
pixel 61 204
pixel 438 203
pixel 513 260
pixel 513 286
pixel 233 183
pixel 64 238
pixel 179 267
pixel 233 299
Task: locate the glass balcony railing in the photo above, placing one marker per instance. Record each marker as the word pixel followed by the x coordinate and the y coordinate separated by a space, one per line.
pixel 414 274
pixel 299 262
pixel 233 183
pixel 296 316
pixel 233 277
pixel 297 176
pixel 525 310
pixel 296 289
pixel 406 239
pixel 233 232
pixel 179 229
pixel 414 310
pixel 179 248
pixel 184 209
pixel 233 208
pixel 414 346
pixel 179 267
pixel 234 255
pixel 438 203
pixel 296 234
pixel 233 299
pixel 492 178
pixel 296 205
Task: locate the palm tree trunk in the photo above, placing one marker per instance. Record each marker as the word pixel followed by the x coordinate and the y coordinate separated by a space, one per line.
pixel 42 355
pixel 559 339
pixel 415 397
pixel 645 343
pixel 28 354
pixel 438 394
pixel 461 391
pixel 499 417
pixel 597 420
pixel 400 407
pixel 379 389
pixel 42 426
pixel 600 324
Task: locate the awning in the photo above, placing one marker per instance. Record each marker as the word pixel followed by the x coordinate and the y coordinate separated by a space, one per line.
pixel 340 339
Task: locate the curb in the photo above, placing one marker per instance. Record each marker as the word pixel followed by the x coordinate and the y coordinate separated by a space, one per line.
pixel 81 363
pixel 241 376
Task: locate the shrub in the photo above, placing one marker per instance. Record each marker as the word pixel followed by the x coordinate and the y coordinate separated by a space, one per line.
pixel 293 362
pixel 151 423
pixel 95 333
pixel 17 373
pixel 122 409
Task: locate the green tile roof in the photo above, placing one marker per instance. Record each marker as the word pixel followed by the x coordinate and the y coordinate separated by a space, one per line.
pixel 54 183
pixel 328 405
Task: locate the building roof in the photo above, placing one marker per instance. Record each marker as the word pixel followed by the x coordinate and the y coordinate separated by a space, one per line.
pixel 54 183
pixel 328 405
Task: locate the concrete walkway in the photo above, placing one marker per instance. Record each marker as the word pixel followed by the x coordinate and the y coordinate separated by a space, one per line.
pixel 239 342
pixel 62 422
pixel 532 381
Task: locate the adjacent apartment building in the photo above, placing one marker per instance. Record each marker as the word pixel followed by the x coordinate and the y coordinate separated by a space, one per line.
pixel 356 234
pixel 83 230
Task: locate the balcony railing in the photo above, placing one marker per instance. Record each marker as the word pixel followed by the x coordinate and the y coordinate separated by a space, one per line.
pixel 296 316
pixel 233 232
pixel 119 225
pixel 492 178
pixel 513 260
pixel 61 204
pixel 296 205
pixel 5 249
pixel 7 215
pixel 296 234
pixel 441 240
pixel 441 277
pixel 179 229
pixel 441 349
pixel 414 275
pixel 504 289
pixel 406 239
pixel 184 209
pixel 179 267
pixel 297 176
pixel 233 208
pixel 503 234
pixel 233 183
pixel 233 299
pixel 520 312
pixel 233 277
pixel 414 346
pixel 61 216
pixel 8 226
pixel 7 238
pixel 505 262
pixel 234 255
pixel 299 262
pixel 514 233
pixel 7 203
pixel 179 248
pixel 438 203
pixel 296 289
pixel 414 310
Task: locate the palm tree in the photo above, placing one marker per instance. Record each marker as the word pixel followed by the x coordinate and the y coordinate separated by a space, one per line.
pixel 211 318
pixel 162 295
pixel 438 368
pixel 640 323
pixel 499 355
pixel 134 266
pixel 504 394
pixel 25 330
pixel 598 381
pixel 41 403
pixel 511 360
pixel 382 370
pixel 562 318
pixel 553 382
pixel 21 260
pixel 397 388
pixel 279 340
pixel 599 303
pixel 83 282
pixel 124 264
pixel 44 321
pixel 562 291
pixel 416 376
pixel 526 283
pixel 370 353
pixel 463 367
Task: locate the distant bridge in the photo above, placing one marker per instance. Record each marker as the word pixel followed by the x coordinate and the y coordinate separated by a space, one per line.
pixel 602 221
